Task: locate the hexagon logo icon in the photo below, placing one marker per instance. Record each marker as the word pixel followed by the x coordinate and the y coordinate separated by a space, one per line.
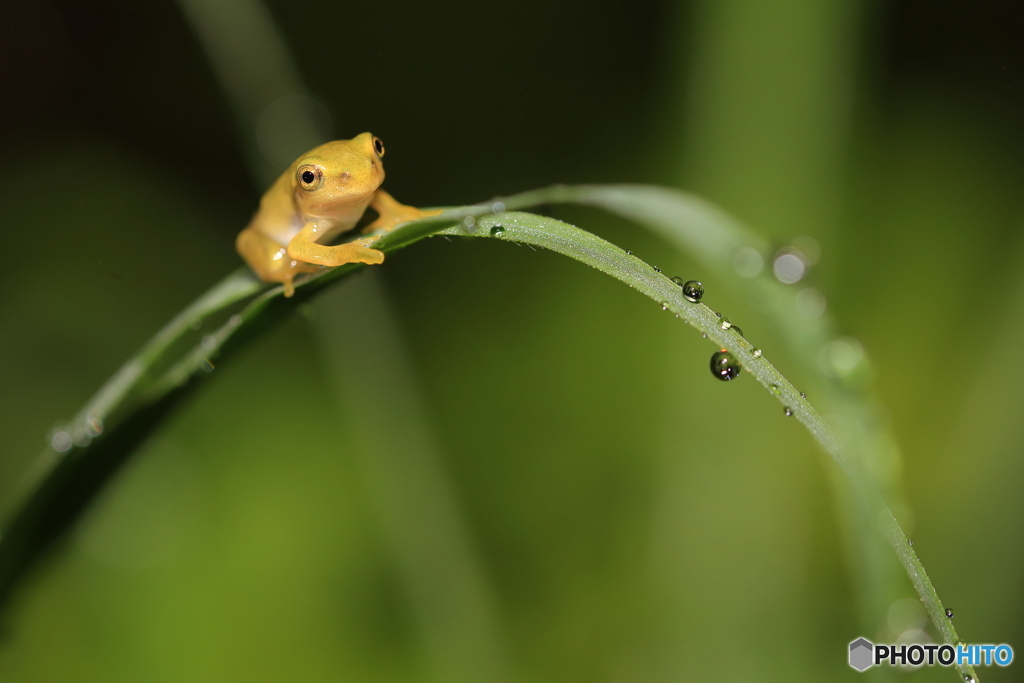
pixel 861 654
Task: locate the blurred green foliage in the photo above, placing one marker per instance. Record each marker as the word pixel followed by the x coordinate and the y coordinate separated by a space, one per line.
pixel 615 537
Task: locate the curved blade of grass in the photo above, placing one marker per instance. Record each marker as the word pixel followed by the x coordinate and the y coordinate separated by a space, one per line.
pixel 140 403
pixel 417 511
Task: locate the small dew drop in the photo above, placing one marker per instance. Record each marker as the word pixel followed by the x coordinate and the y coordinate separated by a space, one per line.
pixel 789 267
pixel 678 280
pixel 705 335
pixel 748 262
pixel 788 411
pixel 81 437
pixel 693 291
pixel 664 305
pixel 725 323
pixel 629 253
pixel 724 365
pixel 803 394
pixel 810 303
pixel 840 357
pixel 737 330
pixel 756 353
pixel 809 247
pixel 497 230
pixel 61 442
pixel 949 613
pixel 910 542
pixel 775 389
pixel 968 678
pixel 498 207
pixel 94 426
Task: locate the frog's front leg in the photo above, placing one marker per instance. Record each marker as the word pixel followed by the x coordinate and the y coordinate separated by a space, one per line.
pixel 304 248
pixel 392 213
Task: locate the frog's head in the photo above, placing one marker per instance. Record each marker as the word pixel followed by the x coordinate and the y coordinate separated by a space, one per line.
pixel 338 173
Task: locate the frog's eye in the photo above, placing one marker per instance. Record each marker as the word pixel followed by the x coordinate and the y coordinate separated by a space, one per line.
pixel 309 177
pixel 378 147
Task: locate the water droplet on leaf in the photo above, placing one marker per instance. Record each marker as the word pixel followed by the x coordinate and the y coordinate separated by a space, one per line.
pixel 724 365
pixel 725 323
pixel 737 330
pixel 775 389
pixel 949 613
pixel 756 353
pixel 497 230
pixel 788 411
pixel 693 291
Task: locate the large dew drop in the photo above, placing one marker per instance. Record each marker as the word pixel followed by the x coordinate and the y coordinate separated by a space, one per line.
pixel 693 291
pixel 724 365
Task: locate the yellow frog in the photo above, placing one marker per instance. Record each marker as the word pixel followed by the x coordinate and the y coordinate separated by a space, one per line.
pixel 322 194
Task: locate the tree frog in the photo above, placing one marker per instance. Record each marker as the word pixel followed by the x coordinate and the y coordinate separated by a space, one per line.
pixel 322 194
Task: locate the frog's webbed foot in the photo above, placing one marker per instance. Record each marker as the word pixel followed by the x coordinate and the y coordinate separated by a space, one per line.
pixel 289 270
pixel 392 213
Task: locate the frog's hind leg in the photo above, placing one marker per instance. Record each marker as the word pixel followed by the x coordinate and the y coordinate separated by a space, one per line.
pixel 270 260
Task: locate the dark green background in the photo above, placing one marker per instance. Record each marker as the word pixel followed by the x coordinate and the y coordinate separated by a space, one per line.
pixel 629 517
